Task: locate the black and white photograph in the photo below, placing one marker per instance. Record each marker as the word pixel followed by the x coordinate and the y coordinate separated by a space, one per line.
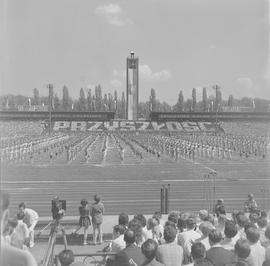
pixel 135 132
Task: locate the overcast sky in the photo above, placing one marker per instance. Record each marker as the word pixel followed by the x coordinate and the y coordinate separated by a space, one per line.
pixel 181 44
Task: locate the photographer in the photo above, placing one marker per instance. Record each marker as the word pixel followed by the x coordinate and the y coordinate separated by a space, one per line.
pixel 31 219
pixel 58 210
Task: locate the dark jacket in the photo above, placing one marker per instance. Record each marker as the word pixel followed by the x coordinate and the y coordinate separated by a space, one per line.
pixel 219 256
pixel 130 256
pixel 153 262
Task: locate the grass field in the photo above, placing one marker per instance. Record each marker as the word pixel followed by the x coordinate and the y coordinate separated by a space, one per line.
pixel 135 187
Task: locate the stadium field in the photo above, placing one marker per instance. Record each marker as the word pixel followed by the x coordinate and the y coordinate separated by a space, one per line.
pixel 135 187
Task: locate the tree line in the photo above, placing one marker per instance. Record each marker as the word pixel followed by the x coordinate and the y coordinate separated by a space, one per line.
pixel 96 101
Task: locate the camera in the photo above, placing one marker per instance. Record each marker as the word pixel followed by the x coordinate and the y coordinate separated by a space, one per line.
pixel 58 208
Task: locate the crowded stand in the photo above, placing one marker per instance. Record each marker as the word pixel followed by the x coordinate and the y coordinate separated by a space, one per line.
pixel 181 238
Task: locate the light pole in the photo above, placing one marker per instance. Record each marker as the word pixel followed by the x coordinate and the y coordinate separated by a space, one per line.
pixel 50 87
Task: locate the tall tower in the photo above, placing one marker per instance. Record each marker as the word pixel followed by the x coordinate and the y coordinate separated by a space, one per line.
pixel 132 92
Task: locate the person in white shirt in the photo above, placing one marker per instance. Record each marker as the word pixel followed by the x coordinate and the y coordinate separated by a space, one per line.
pixel 11 256
pixel 257 251
pixel 186 238
pixel 31 219
pixel 205 228
pixel 21 233
pixel 231 236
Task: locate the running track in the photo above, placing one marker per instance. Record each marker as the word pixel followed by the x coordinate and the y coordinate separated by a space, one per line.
pixel 135 188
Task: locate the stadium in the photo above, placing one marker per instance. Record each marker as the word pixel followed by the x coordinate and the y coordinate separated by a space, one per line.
pixel 98 178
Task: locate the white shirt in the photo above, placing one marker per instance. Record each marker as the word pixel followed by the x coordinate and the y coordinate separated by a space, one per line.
pixel 257 254
pixel 20 234
pixel 31 217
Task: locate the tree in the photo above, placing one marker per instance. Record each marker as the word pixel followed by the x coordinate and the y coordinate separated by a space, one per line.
pixel 89 100
pixel 36 99
pixel 66 101
pixel 194 100
pixel 123 106
pixel 111 106
pixel 219 100
pixel 56 102
pixel 230 100
pixel 82 101
pixel 105 103
pixel 204 100
pixel 153 100
pixel 188 105
pixel 98 97
pixel 180 102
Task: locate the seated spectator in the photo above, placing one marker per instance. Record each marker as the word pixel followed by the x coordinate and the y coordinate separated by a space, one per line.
pixel 198 254
pixel 20 236
pixel 118 242
pixel 253 217
pixel 242 221
pixel 182 221
pixel 157 230
pixel 158 215
pixel 9 230
pixel 170 253
pixel 242 251
pixel 220 225
pixel 205 228
pixel 267 247
pixel 186 238
pixel 173 217
pixel 257 252
pixel 217 254
pixel 203 214
pixel 123 220
pixel 136 227
pixel 149 249
pixel 132 254
pixel 146 234
pixel 11 256
pixel 231 237
pixel 262 225
pixel 66 257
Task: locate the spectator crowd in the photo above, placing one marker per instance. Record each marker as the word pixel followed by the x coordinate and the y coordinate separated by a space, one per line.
pixel 204 238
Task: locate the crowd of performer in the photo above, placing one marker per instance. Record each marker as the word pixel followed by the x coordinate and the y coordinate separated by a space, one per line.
pixel 157 144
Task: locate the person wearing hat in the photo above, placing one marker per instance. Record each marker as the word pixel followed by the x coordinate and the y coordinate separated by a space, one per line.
pixel 251 204
pixel 186 238
pixel 220 208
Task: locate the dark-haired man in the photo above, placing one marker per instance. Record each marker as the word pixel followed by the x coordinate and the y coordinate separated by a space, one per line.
pixel 149 249
pixel 11 256
pixel 132 254
pixel 31 219
pixel 170 253
pixel 217 254
pixel 257 252
pixel 231 237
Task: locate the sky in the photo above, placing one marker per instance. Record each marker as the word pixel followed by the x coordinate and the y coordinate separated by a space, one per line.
pixel 181 44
